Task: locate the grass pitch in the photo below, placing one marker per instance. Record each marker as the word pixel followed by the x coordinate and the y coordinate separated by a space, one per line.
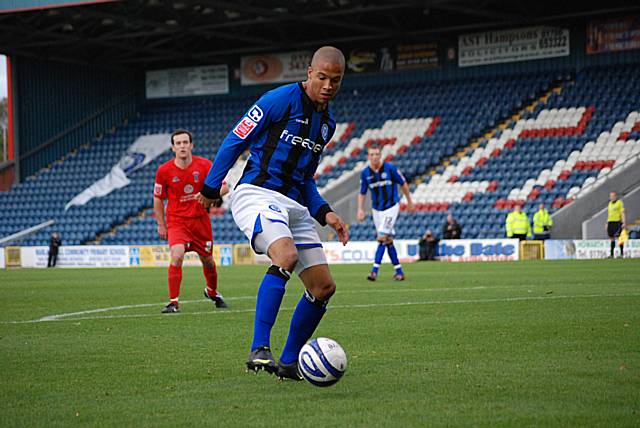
pixel 547 343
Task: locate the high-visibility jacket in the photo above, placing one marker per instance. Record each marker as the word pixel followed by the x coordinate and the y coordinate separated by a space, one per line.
pixel 518 223
pixel 615 210
pixel 541 219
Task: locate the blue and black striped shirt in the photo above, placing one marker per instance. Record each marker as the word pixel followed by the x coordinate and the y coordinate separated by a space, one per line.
pixel 286 136
pixel 383 185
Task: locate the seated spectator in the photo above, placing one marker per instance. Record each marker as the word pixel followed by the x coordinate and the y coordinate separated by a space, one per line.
pixel 451 229
pixel 428 244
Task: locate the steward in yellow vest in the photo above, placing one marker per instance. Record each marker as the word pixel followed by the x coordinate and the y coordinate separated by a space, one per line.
pixel 616 221
pixel 542 223
pixel 517 224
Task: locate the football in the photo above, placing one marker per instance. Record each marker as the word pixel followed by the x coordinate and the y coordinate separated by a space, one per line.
pixel 322 361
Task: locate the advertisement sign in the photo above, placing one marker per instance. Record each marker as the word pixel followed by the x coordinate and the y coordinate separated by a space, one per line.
pixel 418 55
pixel 274 68
pixel 158 256
pixel 520 44
pixel 78 256
pixel 1 258
pixel 189 81
pixel 365 251
pixel 613 35
pixel 369 60
pixel 588 249
pixel 475 250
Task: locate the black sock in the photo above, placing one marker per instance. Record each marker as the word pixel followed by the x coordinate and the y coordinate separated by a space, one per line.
pixel 613 247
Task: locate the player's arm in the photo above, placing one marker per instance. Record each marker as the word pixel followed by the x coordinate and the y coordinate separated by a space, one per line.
pixel 267 110
pixel 361 196
pixel 404 186
pixel 319 208
pixel 158 210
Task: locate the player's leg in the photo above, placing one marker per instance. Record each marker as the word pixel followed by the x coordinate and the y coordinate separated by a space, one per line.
pixel 611 231
pixel 393 255
pixel 174 277
pixel 319 287
pixel 202 243
pixel 378 222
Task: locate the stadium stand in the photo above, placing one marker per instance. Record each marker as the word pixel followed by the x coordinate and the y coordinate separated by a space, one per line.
pixel 472 147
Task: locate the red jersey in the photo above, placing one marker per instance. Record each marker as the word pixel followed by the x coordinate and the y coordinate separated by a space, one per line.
pixel 181 186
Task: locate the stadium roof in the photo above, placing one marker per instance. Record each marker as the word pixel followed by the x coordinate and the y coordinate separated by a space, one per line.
pixel 147 34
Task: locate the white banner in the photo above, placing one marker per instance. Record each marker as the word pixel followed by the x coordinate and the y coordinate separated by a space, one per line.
pixel 274 68
pixel 139 154
pixel 78 256
pixel 521 44
pixel 601 249
pixel 475 250
pixel 365 251
pixel 190 81
pixel 1 258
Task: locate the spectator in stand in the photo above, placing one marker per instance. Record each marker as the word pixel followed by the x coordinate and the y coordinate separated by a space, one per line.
pixel 517 224
pixel 427 245
pixel 542 224
pixel 451 229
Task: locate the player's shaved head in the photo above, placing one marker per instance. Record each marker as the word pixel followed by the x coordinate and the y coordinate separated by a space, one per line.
pixel 328 54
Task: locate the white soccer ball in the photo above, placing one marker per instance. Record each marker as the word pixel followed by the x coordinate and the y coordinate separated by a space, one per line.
pixel 322 361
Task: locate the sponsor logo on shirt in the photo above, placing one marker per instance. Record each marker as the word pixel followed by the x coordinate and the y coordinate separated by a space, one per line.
pixel 380 183
pixel 288 137
pixel 274 207
pixel 175 179
pixel 244 128
pixel 304 122
pixel 188 188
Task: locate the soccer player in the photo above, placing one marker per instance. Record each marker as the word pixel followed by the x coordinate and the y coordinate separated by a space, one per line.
pixel 276 200
pixel 383 178
pixel 187 223
pixel 616 221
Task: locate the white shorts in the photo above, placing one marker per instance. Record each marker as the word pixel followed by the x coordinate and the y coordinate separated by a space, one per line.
pixel 265 216
pixel 385 221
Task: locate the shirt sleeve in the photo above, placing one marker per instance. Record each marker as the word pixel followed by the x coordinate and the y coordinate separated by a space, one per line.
pixel 363 183
pixel 269 109
pixel 397 175
pixel 160 188
pixel 316 204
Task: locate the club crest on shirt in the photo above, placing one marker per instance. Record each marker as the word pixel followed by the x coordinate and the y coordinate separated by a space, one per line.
pixel 196 176
pixel 188 188
pixel 255 113
pixel 157 189
pixel 325 132
pixel 383 175
pixel 175 179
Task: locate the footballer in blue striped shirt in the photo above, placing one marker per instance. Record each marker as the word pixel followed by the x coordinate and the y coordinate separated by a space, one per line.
pixel 276 200
pixel 383 179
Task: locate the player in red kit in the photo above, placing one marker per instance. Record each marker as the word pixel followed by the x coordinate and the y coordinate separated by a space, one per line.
pixel 187 224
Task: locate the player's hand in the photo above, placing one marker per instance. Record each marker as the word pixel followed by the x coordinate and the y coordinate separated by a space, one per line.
pixel 206 202
pixel 360 215
pixel 411 207
pixel 338 225
pixel 162 231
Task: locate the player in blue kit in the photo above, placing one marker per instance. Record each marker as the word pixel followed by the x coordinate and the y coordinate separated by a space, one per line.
pixel 382 179
pixel 276 199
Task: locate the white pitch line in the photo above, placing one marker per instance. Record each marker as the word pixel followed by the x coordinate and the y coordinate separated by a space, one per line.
pixel 58 317
pixel 363 306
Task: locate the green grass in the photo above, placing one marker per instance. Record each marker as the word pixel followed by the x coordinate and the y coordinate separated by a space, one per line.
pixel 554 343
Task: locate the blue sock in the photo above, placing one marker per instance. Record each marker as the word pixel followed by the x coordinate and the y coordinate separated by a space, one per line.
pixel 268 303
pixel 304 322
pixel 378 259
pixel 393 255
